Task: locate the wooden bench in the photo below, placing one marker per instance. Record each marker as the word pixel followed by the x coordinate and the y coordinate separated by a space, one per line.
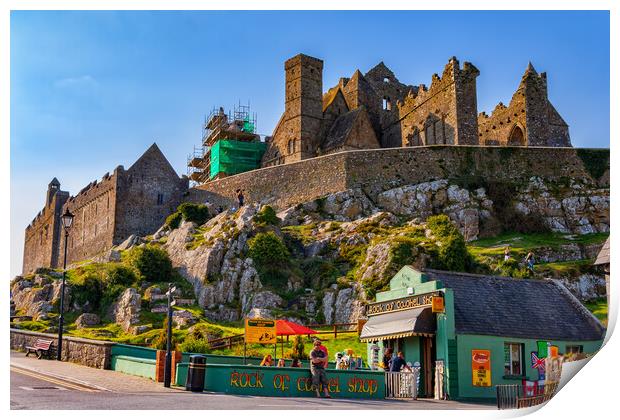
pixel 40 348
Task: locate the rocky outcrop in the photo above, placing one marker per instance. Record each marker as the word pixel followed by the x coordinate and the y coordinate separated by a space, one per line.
pixel 342 306
pixel 38 298
pixel 87 320
pixel 586 287
pixel 183 318
pixel 578 208
pixel 126 309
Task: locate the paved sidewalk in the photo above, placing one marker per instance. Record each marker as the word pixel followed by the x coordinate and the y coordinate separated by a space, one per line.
pixel 106 380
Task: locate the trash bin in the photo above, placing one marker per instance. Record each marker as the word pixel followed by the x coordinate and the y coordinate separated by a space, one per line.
pixel 196 373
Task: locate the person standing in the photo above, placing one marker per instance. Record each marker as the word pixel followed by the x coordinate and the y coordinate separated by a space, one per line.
pixel 399 363
pixel 240 197
pixel 506 253
pixel 529 260
pixel 316 340
pixel 387 359
pixel 318 360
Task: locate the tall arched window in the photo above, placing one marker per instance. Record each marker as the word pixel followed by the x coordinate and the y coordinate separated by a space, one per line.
pixel 516 136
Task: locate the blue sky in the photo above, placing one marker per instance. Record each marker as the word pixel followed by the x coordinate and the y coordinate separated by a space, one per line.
pixel 92 90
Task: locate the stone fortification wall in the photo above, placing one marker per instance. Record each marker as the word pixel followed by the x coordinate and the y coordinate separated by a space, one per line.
pixel 93 209
pixel 378 170
pixel 42 235
pixel 85 352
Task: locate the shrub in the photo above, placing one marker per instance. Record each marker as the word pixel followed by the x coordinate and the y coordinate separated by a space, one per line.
pixel 268 249
pixel 194 345
pixel 151 262
pixel 267 216
pixel 174 220
pixel 511 268
pixel 87 289
pixel 298 349
pixel 120 275
pixel 452 253
pixel 204 331
pixel 191 212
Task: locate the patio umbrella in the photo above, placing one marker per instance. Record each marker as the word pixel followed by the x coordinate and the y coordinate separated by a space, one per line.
pixel 284 327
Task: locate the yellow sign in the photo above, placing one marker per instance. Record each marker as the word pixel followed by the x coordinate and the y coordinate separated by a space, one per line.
pixel 481 367
pixel 402 304
pixel 260 331
pixel 438 304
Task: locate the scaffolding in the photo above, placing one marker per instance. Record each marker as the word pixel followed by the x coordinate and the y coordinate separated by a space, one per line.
pixel 230 145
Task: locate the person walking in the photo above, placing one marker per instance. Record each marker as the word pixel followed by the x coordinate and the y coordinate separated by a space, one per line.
pixel 529 260
pixel 506 253
pixel 240 197
pixel 318 360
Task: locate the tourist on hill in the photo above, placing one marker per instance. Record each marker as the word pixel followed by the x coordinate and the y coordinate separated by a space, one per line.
pixel 529 260
pixel 267 361
pixel 240 197
pixel 318 361
pixel 506 253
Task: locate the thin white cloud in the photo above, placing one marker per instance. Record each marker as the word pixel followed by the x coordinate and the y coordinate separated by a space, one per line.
pixel 85 81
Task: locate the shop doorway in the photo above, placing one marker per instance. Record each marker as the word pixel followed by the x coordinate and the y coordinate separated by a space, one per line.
pixel 427 345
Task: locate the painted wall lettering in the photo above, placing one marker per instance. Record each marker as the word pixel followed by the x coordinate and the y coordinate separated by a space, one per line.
pixel 246 380
pixel 281 382
pixel 360 385
pixel 401 304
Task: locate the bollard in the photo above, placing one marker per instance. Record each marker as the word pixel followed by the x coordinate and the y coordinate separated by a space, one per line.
pixel 196 373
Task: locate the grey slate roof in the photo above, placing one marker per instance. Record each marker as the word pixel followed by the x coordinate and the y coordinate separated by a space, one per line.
pixel 339 132
pixel 603 255
pixel 502 306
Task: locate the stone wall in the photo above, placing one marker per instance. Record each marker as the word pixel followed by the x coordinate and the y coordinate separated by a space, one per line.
pixel 85 352
pixel 42 236
pixel 93 211
pixel 147 193
pixel 378 170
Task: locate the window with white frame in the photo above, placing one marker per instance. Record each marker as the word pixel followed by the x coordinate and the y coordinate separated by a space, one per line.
pixel 513 359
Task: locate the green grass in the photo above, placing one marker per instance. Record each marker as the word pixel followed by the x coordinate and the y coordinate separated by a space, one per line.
pixel 302 233
pixel 599 309
pixel 566 268
pixel 521 243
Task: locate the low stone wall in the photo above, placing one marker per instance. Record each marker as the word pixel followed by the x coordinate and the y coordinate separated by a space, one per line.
pixel 377 170
pixel 85 352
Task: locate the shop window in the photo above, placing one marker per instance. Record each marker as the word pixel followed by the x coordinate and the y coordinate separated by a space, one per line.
pixel 513 359
pixel 574 348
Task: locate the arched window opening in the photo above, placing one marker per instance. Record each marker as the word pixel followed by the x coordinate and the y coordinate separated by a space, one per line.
pixel 516 137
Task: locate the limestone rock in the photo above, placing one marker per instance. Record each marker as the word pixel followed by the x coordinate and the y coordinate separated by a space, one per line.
pixel 111 255
pixel 131 241
pixel 183 318
pixel 261 313
pixel 126 309
pixel 87 320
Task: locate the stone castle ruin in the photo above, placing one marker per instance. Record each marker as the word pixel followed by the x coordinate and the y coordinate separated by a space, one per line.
pixel 369 133
pixel 126 202
pixel 375 110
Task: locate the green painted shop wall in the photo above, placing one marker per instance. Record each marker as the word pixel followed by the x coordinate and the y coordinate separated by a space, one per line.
pixel 134 351
pixel 467 343
pixel 134 366
pixel 217 359
pixel 286 382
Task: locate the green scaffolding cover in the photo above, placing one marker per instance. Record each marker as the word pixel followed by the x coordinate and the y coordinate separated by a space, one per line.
pixel 233 157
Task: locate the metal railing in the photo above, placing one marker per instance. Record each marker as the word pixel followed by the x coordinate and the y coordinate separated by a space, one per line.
pixel 402 384
pixel 515 396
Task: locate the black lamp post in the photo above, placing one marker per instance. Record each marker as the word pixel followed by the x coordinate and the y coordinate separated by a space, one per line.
pixel 67 220
pixel 168 362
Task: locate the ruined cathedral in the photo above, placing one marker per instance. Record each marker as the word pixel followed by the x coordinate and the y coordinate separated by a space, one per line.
pixel 375 110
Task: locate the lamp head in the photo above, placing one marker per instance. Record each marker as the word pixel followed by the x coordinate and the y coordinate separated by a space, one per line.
pixel 67 219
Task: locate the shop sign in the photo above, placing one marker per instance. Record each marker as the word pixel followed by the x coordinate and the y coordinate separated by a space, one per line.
pixel 438 304
pixel 402 304
pixel 481 367
pixel 260 331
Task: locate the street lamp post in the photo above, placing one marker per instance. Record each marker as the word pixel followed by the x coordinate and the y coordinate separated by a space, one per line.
pixel 67 220
pixel 168 362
